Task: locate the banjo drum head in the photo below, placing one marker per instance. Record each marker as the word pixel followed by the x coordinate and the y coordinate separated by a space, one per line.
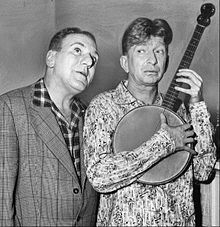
pixel 138 126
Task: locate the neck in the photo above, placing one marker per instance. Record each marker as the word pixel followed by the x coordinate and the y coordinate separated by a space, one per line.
pixel 146 94
pixel 59 96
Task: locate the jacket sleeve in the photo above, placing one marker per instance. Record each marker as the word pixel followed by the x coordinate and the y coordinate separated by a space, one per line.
pixel 8 164
pixel 205 160
pixel 109 171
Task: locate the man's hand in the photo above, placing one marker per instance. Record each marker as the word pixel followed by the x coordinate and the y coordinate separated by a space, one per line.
pixel 195 83
pixel 182 135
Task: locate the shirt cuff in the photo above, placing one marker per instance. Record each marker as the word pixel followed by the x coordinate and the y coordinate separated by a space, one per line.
pixel 197 106
pixel 198 110
pixel 167 140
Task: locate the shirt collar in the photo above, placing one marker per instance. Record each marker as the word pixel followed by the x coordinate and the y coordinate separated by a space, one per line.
pixel 124 97
pixel 42 98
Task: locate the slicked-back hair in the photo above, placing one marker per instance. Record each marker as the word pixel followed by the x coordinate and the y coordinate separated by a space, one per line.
pixel 142 29
pixel 56 41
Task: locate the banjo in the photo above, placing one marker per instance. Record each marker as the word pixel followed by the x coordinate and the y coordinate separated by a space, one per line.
pixel 133 128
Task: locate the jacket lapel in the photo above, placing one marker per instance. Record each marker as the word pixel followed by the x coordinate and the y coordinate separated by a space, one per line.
pixel 46 127
pixel 83 171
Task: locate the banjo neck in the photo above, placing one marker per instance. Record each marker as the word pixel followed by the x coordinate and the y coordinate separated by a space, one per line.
pixel 141 123
pixel 171 97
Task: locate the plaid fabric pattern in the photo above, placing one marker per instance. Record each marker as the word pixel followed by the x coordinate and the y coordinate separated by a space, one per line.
pixel 38 182
pixel 69 130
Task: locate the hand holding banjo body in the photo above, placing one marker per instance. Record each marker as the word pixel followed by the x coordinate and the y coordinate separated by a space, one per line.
pixel 141 123
pixel 182 135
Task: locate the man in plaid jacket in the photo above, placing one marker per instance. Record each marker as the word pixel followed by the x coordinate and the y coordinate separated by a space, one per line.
pixel 42 176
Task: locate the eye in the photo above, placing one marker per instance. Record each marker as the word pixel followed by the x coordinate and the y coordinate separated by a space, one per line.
pixel 94 61
pixel 141 51
pixel 77 51
pixel 160 51
pixel 95 58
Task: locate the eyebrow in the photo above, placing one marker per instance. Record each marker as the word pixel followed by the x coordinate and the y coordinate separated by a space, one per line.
pixel 81 44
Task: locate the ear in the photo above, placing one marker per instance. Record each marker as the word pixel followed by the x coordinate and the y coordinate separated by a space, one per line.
pixel 167 63
pixel 124 63
pixel 50 58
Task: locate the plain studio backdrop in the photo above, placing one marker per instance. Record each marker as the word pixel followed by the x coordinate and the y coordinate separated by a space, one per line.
pixel 26 27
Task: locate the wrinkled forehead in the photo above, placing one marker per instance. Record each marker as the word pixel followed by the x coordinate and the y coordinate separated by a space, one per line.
pixel 85 40
pixel 151 42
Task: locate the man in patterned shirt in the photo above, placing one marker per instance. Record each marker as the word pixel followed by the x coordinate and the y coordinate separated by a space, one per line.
pixel 42 175
pixel 124 200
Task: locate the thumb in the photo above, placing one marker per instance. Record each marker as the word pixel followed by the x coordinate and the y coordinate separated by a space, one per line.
pixel 186 148
pixel 163 119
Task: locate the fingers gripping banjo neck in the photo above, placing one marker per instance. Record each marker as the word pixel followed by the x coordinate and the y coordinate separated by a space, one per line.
pixel 207 10
pixel 141 123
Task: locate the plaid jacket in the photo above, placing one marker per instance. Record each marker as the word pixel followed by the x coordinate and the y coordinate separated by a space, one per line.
pixel 38 182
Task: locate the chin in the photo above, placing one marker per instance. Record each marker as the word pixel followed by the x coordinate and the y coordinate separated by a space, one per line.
pixel 81 85
pixel 81 89
pixel 76 89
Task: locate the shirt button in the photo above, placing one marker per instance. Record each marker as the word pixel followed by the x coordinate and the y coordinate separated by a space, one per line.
pixel 75 190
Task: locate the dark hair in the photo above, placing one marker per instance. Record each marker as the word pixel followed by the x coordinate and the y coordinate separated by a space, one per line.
pixel 56 41
pixel 142 28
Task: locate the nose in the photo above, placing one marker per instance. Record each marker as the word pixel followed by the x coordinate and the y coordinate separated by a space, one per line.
pixel 151 58
pixel 88 60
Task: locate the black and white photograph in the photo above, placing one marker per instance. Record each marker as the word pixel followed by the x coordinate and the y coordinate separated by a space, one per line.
pixel 109 113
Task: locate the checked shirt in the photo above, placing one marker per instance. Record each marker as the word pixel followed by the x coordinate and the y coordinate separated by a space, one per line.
pixel 69 130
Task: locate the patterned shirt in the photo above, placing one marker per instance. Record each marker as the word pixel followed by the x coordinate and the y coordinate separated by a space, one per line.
pixel 69 130
pixel 124 201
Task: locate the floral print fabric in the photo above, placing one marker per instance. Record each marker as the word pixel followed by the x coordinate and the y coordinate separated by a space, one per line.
pixel 124 201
